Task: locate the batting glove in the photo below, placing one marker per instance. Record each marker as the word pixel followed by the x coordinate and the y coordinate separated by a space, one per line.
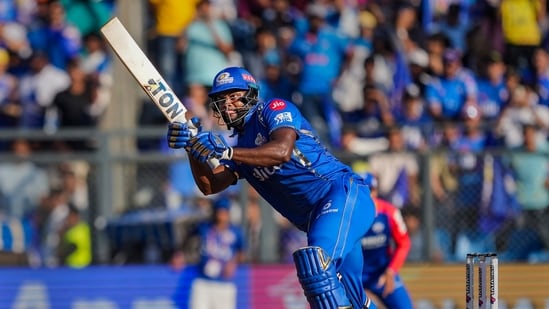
pixel 180 134
pixel 208 145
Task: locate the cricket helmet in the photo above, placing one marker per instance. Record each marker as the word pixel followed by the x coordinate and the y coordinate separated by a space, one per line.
pixel 229 80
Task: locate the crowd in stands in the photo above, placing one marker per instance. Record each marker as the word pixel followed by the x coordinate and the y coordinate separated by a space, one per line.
pixel 391 80
pixel 466 82
pixel 54 75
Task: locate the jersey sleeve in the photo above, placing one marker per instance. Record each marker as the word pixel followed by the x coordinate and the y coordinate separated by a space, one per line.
pixel 400 236
pixel 280 113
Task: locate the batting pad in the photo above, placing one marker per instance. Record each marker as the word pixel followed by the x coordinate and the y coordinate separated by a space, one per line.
pixel 318 278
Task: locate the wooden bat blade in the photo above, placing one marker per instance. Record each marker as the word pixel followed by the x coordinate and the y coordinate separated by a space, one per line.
pixel 144 72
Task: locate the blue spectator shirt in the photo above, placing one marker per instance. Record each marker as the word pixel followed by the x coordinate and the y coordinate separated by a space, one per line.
pixel 282 88
pixel 491 98
pixel 217 249
pixel 451 94
pixel 322 56
pixel 471 165
pixel 60 44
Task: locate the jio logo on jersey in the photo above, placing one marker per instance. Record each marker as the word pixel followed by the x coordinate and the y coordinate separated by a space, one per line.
pixel 277 105
pixel 264 173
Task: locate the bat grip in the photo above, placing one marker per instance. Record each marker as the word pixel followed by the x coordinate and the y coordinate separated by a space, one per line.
pixel 194 124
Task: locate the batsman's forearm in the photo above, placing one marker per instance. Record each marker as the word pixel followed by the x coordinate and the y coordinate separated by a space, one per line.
pixel 208 180
pixel 266 155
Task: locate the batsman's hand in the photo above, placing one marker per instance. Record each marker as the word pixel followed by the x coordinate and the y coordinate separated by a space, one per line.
pixel 208 145
pixel 180 134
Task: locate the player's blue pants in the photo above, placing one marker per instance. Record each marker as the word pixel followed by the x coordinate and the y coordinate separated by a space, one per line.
pixel 399 299
pixel 337 226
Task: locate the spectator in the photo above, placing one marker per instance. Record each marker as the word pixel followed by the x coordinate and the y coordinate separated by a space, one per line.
pixel 435 46
pixel 406 33
pixel 37 89
pixel 225 10
pixel 531 167
pixel 87 17
pixel 10 110
pixel 374 115
pixel 48 220
pixel 454 27
pixel 397 171
pixel 523 108
pixel 467 163
pixel 448 95
pixel 389 69
pixel 75 241
pixel 13 37
pixel 540 76
pixel 73 178
pixel 279 17
pixel 15 241
pixel 73 106
pixel 59 39
pixel 170 19
pixel 348 89
pixel 414 119
pixel 265 45
pixel 23 184
pixel 209 45
pixel 443 180
pixel 418 60
pixel 521 31
pixel 492 90
pixel 221 251
pixel 97 65
pixel 275 83
pixel 322 53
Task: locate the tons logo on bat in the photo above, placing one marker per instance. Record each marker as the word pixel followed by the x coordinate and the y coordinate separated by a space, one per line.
pixel 165 98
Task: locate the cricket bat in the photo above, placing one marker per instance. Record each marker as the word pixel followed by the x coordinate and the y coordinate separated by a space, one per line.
pixel 146 75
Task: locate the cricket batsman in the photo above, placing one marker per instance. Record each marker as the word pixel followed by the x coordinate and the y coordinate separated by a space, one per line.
pixel 280 155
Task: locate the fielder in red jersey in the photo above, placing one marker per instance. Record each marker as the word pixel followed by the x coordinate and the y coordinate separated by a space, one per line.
pixel 385 248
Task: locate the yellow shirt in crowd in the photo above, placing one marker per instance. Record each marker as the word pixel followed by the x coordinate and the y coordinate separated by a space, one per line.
pixel 520 22
pixel 173 16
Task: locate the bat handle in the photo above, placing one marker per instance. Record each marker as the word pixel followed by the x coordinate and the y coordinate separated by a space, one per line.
pixel 194 124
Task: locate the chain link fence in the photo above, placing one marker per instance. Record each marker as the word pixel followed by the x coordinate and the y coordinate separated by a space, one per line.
pixel 141 203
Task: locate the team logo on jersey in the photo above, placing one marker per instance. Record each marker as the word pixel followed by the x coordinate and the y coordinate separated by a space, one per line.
pixel 277 105
pixel 224 78
pixel 283 117
pixel 326 209
pixel 327 205
pixel 260 140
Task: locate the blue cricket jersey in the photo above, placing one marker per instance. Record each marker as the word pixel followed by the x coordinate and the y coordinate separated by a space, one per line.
pixel 218 247
pixel 296 187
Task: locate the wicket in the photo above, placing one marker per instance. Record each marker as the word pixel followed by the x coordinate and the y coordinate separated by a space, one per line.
pixel 486 298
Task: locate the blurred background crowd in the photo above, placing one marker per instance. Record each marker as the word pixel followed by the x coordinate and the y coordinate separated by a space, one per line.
pixel 445 101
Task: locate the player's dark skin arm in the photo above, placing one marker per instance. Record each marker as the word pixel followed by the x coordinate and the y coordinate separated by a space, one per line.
pixel 277 151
